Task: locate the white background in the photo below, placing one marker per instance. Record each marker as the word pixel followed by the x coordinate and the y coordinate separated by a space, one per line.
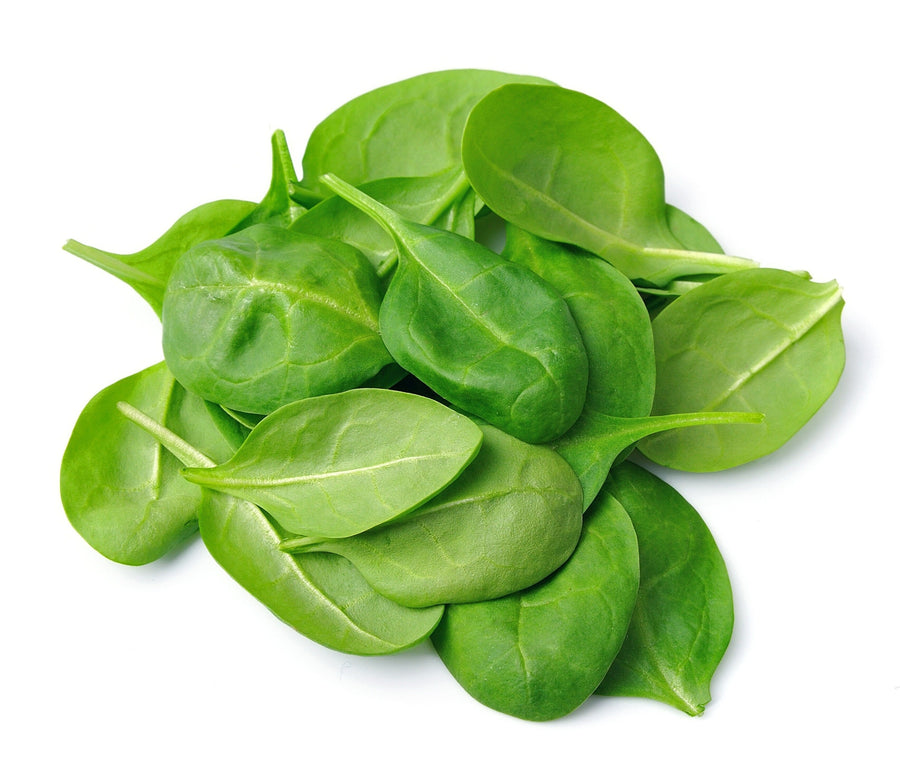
pixel 777 125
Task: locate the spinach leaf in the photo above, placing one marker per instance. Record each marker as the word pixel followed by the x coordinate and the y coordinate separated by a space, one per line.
pixel 540 654
pixel 277 207
pixel 444 200
pixel 120 489
pixel 268 316
pixel 618 340
pixel 147 271
pixel 405 129
pixel 322 597
pixel 512 517
pixel 683 616
pixel 566 167
pixel 447 318
pixel 335 465
pixel 762 340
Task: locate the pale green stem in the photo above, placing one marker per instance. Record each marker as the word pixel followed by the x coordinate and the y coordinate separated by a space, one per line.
pixel 183 451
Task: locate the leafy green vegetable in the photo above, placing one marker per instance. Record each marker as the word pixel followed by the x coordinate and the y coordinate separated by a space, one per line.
pixel 277 207
pixel 683 616
pixel 268 316
pixel 335 465
pixel 147 271
pixel 120 489
pixel 446 318
pixel 387 416
pixel 762 340
pixel 541 653
pixel 512 517
pixel 566 167
pixel 444 200
pixel 323 597
pixel 405 129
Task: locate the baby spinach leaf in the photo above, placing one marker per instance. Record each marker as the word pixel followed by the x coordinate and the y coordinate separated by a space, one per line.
pixel 540 654
pixel 147 271
pixel 512 517
pixel 444 200
pixel 323 597
pixel 683 616
pixel 268 316
pixel 566 167
pixel 120 489
pixel 339 464
pixel 277 207
pixel 762 340
pixel 488 335
pixel 405 129
pixel 618 340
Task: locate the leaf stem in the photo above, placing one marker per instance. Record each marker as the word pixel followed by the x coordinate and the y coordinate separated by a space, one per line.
pixel 112 263
pixel 182 450
pixel 299 543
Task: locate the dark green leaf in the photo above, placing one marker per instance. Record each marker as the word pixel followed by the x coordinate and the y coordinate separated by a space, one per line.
pixel 268 316
pixel 683 616
pixel 539 654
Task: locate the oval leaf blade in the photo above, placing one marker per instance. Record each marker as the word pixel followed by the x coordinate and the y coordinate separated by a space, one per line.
pixel 683 615
pixel 332 466
pixel 540 654
pixel 761 340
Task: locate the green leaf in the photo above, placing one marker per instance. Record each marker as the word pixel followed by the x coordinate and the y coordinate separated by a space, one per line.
pixel 762 340
pixel 487 335
pixel 268 316
pixel 323 597
pixel 618 340
pixel 541 653
pixel 277 207
pixel 566 167
pixel 336 465
pixel 147 271
pixel 405 129
pixel 444 200
pixel 512 517
pixel 120 489
pixel 684 615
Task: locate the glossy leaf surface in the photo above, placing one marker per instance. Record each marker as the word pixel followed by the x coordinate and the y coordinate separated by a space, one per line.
pixel 335 465
pixel 444 200
pixel 488 335
pixel 540 654
pixel 148 270
pixel 405 129
pixel 268 316
pixel 566 167
pixel 322 596
pixel 684 614
pixel 512 517
pixel 762 340
pixel 120 489
pixel 618 340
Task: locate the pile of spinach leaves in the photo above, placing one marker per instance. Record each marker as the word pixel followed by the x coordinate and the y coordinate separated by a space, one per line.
pixel 388 432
